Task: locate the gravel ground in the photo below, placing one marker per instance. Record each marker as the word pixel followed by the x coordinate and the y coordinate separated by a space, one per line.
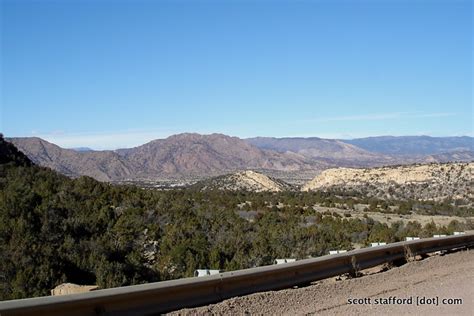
pixel 442 277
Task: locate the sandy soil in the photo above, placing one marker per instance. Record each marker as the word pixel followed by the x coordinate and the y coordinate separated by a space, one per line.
pixel 438 277
pixel 392 218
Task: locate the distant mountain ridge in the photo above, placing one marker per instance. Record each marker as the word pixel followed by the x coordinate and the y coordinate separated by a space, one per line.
pixel 414 145
pixel 101 165
pixel 81 149
pixel 178 156
pixel 192 153
pixel 333 151
pixel 374 151
pixel 195 156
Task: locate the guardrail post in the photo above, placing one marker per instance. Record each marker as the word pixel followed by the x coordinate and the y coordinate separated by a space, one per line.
pixel 410 255
pixel 355 272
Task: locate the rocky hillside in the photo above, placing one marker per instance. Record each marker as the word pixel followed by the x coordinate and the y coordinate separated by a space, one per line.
pixel 178 156
pixel 461 155
pixel 101 165
pixel 245 181
pixel 374 151
pixel 330 150
pixel 414 145
pixel 427 182
pixel 195 154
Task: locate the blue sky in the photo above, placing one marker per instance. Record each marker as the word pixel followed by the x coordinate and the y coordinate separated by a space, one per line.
pixel 108 74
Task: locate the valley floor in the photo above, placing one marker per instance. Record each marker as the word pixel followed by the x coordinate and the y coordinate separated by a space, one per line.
pixel 443 277
pixel 389 218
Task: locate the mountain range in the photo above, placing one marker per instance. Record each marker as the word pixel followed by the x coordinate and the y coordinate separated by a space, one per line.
pixel 195 156
pixel 334 152
pixel 101 165
pixel 414 145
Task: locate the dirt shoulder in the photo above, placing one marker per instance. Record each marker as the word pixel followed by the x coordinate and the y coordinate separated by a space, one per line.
pixel 442 277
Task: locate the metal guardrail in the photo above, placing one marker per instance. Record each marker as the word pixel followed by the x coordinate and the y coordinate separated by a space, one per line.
pixel 154 298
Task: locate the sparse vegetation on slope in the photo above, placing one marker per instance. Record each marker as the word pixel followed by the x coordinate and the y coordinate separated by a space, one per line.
pixel 10 154
pixel 436 182
pixel 244 181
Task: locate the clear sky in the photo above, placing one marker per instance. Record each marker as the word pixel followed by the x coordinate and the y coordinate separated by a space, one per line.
pixel 108 74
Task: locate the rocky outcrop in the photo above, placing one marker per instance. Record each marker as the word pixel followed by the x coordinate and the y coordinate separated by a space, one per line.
pixel 429 181
pixel 246 181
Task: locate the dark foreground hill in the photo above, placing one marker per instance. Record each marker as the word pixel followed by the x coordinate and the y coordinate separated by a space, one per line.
pixel 10 154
